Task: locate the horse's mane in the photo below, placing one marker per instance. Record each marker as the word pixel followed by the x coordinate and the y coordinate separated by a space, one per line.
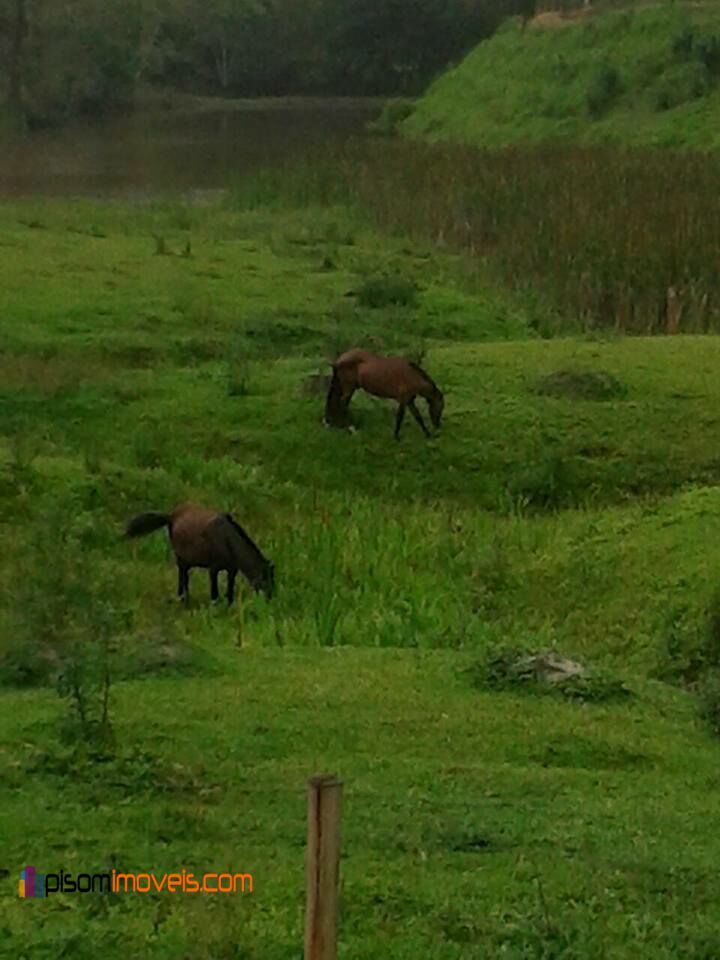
pixel 424 374
pixel 248 540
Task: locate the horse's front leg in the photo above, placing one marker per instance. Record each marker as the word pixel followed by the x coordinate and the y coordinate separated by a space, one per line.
pixel 399 419
pixel 418 416
pixel 214 592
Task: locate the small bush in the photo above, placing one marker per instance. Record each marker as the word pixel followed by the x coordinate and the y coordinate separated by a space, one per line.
pixel 688 45
pixel 709 694
pixel 65 625
pixel 581 385
pixel 683 44
pixel 238 375
pixel 707 51
pixel 550 483
pixel 690 646
pixel 24 661
pixel 384 291
pixel 681 85
pixel 690 657
pixel 66 622
pixel 605 88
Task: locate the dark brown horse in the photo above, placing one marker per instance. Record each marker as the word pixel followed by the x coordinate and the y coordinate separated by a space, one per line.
pixel 214 541
pixel 390 377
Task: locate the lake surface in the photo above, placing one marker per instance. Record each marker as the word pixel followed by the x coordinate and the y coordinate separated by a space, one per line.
pixel 186 151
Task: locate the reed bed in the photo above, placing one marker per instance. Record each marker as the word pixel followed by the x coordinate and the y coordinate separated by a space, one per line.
pixel 620 239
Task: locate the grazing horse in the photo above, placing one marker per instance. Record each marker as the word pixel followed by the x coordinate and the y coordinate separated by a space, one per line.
pixel 214 541
pixel 390 377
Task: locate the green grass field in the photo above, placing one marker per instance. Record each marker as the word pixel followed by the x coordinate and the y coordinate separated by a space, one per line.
pixel 477 822
pixel 645 75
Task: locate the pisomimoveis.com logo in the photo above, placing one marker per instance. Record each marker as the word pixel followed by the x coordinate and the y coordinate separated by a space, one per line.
pixel 34 884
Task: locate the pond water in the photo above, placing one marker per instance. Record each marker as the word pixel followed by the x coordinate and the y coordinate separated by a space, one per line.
pixel 187 151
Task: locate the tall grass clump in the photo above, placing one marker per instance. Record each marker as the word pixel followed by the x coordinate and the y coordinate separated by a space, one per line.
pixel 690 645
pixel 301 183
pixel 612 238
pixel 65 621
pixel 689 656
pixel 605 87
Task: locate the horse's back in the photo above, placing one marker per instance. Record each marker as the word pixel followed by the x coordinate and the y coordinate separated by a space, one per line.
pixel 198 536
pixel 353 357
pixel 391 377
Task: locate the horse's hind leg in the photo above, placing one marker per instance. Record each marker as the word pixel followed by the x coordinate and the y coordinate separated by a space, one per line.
pixel 418 416
pixel 345 399
pixel 183 581
pixel 336 402
pixel 214 592
pixel 399 419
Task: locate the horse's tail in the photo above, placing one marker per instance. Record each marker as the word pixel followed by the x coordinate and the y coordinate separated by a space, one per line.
pixel 145 523
pixel 332 401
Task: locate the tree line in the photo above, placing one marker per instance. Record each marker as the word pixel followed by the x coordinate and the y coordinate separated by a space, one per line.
pixel 62 58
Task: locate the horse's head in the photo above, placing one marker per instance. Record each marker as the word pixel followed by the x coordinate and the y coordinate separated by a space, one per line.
pixel 264 579
pixel 436 403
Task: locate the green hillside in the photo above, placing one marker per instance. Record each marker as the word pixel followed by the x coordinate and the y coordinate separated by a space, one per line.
pixel 646 76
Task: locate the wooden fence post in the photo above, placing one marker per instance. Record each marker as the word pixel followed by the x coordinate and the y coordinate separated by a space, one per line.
pixel 323 866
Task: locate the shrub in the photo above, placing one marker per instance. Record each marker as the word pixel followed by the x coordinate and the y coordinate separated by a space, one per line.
pixel 690 645
pixel 707 51
pixel 710 701
pixel 680 85
pixel 704 49
pixel 64 614
pixel 605 87
pixel 552 482
pixel 683 43
pixel 580 385
pixel 65 628
pixel 384 291
pixel 238 372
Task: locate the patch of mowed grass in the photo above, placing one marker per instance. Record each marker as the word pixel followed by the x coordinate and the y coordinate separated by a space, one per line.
pixel 472 819
pixel 458 806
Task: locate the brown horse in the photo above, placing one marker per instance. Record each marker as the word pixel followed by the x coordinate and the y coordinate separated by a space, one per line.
pixel 214 541
pixel 390 377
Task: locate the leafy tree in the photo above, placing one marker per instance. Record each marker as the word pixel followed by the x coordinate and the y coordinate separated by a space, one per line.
pixel 14 30
pixel 59 58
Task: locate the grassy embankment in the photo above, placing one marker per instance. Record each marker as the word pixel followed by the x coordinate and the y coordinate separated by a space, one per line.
pixel 644 76
pixel 475 821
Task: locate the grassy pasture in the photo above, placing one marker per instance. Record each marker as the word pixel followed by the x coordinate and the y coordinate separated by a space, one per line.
pixel 477 823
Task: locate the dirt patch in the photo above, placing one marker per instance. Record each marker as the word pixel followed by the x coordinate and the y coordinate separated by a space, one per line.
pixel 551 19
